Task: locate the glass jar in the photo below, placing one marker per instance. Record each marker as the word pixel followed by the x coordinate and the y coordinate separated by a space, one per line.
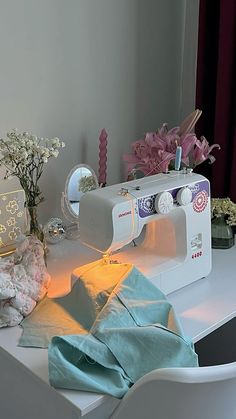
pixel 222 234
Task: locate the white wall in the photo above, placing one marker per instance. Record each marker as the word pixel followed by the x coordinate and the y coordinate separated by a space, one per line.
pixel 68 68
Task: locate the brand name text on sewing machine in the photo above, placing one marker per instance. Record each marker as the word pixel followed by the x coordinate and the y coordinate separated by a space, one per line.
pixel 122 214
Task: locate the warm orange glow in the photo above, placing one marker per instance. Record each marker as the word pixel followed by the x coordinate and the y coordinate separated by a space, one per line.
pixel 160 237
pixel 59 286
pixel 8 253
pixel 100 276
pixel 97 276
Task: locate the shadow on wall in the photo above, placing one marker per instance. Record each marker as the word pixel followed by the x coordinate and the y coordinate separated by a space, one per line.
pixel 158 75
pixel 158 47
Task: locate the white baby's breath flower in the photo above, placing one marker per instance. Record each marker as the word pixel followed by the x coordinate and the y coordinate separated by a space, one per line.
pixel 22 142
pixel 56 142
pixel 46 152
pixel 54 153
pixel 23 155
pixel 29 143
pixel 224 206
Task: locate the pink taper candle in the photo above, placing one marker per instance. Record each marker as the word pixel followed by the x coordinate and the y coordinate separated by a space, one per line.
pixel 102 171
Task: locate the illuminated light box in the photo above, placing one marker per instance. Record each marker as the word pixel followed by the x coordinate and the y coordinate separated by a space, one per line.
pixel 12 220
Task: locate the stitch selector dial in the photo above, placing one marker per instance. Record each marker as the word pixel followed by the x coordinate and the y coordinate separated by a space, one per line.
pixel 184 196
pixel 163 202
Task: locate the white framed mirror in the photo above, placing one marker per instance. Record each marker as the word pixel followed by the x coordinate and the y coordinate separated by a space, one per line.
pixel 80 180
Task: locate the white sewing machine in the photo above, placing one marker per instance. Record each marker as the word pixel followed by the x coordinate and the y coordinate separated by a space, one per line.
pixel 175 209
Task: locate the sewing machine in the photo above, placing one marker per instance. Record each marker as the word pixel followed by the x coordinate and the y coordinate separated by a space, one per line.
pixel 166 216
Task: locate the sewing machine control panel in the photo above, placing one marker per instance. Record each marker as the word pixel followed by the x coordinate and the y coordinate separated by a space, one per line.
pixel 164 202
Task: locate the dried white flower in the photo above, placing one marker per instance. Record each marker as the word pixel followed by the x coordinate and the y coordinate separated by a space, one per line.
pixel 224 206
pixel 24 155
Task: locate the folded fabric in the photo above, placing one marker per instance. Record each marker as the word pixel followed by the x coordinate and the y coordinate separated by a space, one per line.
pixel 9 315
pixel 135 330
pixel 24 281
pixel 74 313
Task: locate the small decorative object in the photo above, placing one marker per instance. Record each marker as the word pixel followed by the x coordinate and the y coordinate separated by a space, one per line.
pixel 87 183
pixel 166 149
pixel 12 220
pixel 24 281
pixel 54 231
pixel 24 156
pixel 223 212
pixel 102 170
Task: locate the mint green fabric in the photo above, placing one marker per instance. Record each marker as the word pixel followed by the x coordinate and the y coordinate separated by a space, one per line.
pixel 75 312
pixel 134 332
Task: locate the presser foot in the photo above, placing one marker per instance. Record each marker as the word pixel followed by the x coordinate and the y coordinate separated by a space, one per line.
pixel 106 259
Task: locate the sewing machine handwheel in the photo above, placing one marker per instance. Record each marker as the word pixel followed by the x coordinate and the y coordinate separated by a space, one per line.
pixel 184 196
pixel 164 202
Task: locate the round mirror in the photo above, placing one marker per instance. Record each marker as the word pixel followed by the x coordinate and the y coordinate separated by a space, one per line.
pixel 80 180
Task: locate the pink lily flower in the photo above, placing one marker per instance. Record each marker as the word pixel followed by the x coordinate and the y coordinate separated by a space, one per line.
pixel 152 139
pixel 154 153
pixel 202 152
pixel 187 142
pixel 170 138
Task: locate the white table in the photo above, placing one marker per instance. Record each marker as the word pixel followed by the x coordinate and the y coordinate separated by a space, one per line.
pixel 202 307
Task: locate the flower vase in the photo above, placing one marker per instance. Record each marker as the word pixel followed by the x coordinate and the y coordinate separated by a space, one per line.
pixel 35 228
pixel 221 233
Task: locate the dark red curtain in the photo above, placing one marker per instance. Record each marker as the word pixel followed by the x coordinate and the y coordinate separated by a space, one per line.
pixel 216 91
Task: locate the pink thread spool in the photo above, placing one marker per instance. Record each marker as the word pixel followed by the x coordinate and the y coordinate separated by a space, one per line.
pixel 102 171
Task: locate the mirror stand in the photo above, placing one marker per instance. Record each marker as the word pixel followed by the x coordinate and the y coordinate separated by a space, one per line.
pixel 72 230
pixel 80 180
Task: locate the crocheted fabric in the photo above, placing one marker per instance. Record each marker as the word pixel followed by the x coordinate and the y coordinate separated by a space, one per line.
pixel 24 281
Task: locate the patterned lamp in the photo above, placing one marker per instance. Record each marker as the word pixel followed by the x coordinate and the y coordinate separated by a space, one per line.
pixel 12 220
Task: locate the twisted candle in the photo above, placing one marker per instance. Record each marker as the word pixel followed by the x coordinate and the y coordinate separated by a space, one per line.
pixel 102 171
